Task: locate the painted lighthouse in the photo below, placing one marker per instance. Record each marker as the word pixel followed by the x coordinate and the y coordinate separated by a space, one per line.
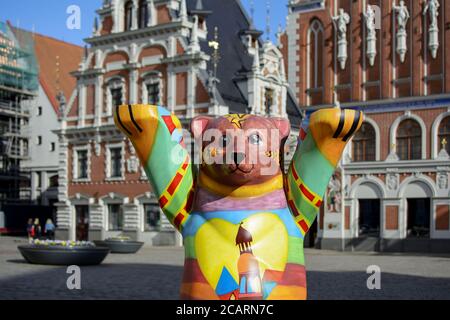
pixel 248 267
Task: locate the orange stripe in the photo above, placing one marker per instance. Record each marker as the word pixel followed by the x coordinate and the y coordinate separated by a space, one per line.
pixel 306 192
pixel 163 201
pixel 174 184
pixel 293 207
pixel 303 225
pixel 294 173
pixel 178 219
pixel 318 203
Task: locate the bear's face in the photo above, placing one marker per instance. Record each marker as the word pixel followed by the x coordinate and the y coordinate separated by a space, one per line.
pixel 240 149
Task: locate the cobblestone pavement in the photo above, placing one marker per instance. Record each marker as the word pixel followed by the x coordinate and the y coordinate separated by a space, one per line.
pixel 155 273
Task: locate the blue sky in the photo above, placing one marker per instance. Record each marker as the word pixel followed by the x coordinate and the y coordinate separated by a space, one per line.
pixel 49 17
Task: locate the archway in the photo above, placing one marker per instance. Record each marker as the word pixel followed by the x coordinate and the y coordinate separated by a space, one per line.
pixel 368 206
pixel 417 213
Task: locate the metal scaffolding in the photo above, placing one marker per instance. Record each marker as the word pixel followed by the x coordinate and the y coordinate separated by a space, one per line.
pixel 18 86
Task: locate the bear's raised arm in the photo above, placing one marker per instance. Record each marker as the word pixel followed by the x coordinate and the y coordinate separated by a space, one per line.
pixel 158 140
pixel 321 147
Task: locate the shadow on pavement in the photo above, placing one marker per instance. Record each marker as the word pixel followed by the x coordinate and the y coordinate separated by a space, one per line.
pixel 153 281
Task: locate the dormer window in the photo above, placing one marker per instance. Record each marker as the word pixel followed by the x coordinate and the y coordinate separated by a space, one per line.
pixel 128 15
pixel 115 93
pixel 268 101
pixel 143 14
pixel 152 88
pixel 116 96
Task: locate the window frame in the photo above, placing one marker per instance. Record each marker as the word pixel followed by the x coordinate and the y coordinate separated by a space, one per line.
pixel 128 15
pixel 364 140
pixel 108 161
pixel 410 139
pixel 152 78
pixel 75 173
pixel 112 84
pixel 446 135
pixel 120 217
pixel 315 29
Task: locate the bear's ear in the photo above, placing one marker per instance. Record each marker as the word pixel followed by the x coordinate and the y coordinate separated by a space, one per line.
pixel 283 125
pixel 199 125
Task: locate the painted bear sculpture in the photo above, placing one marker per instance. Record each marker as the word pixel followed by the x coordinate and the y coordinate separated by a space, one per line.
pixel 243 221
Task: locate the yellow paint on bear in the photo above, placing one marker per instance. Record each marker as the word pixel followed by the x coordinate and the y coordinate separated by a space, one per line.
pixel 215 245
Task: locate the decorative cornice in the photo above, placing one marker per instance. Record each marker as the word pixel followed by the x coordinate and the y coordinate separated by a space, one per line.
pixel 147 32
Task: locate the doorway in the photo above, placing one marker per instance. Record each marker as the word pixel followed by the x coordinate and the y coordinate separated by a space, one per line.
pixel 82 223
pixel 418 218
pixel 369 218
pixel 310 238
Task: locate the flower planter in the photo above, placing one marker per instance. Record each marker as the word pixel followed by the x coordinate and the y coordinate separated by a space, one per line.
pixel 120 245
pixel 64 255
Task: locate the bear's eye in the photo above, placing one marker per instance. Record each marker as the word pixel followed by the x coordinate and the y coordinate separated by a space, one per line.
pixel 224 140
pixel 255 139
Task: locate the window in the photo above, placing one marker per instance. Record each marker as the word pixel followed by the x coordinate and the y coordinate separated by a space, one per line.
pixel 116 97
pixel 38 180
pixel 315 69
pixel 268 100
pixel 52 147
pixel 143 14
pixel 115 215
pixel 153 93
pixel 53 181
pixel 116 163
pixel 364 144
pixel 39 111
pixel 152 217
pixel 128 15
pixel 39 140
pixel 444 134
pixel 82 164
pixel 409 140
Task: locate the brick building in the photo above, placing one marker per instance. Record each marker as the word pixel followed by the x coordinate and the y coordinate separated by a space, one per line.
pixel 191 56
pixel 388 59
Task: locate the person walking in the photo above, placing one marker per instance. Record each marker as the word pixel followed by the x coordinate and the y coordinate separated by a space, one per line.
pixel 30 229
pixel 37 229
pixel 50 229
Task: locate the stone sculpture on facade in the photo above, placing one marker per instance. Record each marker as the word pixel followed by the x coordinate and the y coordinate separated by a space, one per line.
pixel 371 38
pixel 243 221
pixel 402 20
pixel 341 22
pixel 432 8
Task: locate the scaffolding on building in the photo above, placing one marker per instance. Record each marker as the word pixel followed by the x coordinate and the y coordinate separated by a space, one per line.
pixel 18 88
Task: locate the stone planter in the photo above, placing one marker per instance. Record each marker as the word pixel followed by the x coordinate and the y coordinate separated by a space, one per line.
pixel 120 246
pixel 63 255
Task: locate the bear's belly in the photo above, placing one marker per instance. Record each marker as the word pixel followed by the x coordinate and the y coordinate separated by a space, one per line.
pixel 243 255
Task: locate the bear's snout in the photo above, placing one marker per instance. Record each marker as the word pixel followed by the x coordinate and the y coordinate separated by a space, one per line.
pixel 238 157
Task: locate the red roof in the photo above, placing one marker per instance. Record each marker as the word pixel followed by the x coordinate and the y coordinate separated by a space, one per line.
pixel 47 49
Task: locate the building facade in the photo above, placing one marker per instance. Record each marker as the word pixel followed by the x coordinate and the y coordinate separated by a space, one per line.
pixel 388 59
pixel 192 57
pixel 18 86
pixel 55 60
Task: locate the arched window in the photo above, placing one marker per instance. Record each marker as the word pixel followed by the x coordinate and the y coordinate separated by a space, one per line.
pixel 409 140
pixel 364 148
pixel 315 62
pixel 143 13
pixel 128 15
pixel 444 134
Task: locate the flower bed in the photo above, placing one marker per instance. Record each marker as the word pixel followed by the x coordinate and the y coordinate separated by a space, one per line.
pixel 50 252
pixel 121 244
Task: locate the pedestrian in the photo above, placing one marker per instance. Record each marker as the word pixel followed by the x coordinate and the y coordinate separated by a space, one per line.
pixel 30 229
pixel 50 229
pixel 37 230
